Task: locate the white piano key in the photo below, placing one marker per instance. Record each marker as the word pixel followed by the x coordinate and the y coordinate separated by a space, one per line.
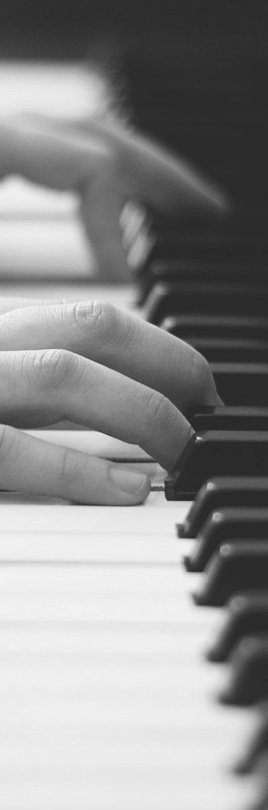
pixel 71 755
pixel 50 248
pixel 218 724
pixel 69 639
pixel 88 547
pixel 20 200
pixel 79 578
pixel 162 790
pixel 155 517
pixel 126 672
pixel 46 607
pixel 120 706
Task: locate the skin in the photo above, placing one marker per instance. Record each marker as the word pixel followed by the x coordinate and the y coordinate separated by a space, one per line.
pixel 90 363
pixel 104 369
pixel 106 165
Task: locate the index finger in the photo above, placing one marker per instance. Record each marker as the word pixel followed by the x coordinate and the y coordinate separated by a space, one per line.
pixel 8 303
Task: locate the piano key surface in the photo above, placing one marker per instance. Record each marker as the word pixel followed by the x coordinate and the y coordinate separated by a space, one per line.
pixel 105 698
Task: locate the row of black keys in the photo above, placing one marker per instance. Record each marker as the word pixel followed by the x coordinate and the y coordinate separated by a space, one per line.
pixel 210 288
pixel 221 308
pixel 228 522
pixel 230 547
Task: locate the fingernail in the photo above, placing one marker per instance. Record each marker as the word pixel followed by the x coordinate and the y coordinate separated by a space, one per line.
pixel 129 480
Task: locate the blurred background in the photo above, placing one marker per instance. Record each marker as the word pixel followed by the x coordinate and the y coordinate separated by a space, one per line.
pixel 193 73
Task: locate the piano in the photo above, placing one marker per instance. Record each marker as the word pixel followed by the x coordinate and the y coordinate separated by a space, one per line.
pixel 124 683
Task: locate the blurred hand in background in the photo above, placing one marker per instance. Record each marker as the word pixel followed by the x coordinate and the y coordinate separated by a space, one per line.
pixel 117 174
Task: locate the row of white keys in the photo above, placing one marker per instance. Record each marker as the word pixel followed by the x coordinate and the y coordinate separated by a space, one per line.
pixel 105 699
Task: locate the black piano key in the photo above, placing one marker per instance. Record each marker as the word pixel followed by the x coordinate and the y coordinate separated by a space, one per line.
pixel 230 417
pixel 219 492
pixel 249 672
pixel 233 327
pixel 171 246
pixel 215 453
pixel 152 270
pixel 203 266
pixel 241 383
pixel 247 615
pixel 238 523
pixel 227 350
pixel 235 567
pixel 215 297
pixel 257 745
pixel 216 244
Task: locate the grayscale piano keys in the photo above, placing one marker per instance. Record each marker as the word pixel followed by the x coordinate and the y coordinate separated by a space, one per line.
pixel 107 700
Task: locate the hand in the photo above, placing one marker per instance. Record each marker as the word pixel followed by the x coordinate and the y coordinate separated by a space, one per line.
pixel 107 166
pixel 101 368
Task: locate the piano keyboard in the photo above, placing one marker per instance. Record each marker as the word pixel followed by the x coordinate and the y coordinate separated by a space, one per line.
pixel 108 699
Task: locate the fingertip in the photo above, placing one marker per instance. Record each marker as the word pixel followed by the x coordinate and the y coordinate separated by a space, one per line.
pixel 133 486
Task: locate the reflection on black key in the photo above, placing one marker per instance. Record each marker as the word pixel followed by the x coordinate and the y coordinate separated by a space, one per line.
pixel 225 491
pixel 249 672
pixel 230 417
pixel 247 615
pixel 233 327
pixel 227 350
pixel 191 264
pixel 238 523
pixel 235 567
pixel 214 453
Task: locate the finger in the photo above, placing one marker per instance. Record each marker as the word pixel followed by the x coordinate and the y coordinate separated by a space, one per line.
pixel 55 160
pixel 7 304
pixel 100 211
pixel 161 178
pixel 48 386
pixel 152 173
pixel 148 172
pixel 31 465
pixel 116 339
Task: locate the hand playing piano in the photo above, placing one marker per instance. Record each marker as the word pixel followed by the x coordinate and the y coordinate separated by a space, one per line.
pixel 93 365
pixel 107 166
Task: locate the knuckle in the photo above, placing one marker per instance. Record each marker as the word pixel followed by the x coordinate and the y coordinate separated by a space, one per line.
pixel 160 410
pixel 54 367
pixel 96 320
pixel 84 315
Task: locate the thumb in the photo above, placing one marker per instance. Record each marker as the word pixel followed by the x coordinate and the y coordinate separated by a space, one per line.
pixel 32 465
